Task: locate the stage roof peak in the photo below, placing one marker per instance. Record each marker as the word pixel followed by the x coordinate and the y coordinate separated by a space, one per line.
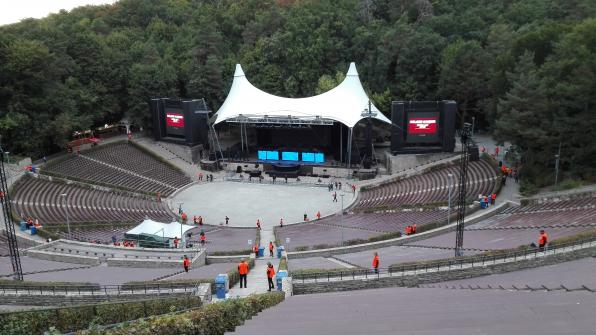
pixel 344 103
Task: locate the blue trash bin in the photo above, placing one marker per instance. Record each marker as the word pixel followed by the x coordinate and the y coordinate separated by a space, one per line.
pixel 482 204
pixel 261 252
pixel 23 225
pixel 280 251
pixel 33 230
pixel 221 286
pixel 278 278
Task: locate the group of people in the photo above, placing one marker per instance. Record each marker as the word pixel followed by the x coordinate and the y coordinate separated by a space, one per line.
pixel 335 185
pixel 33 223
pixel 410 230
pixel 208 177
pixel 486 200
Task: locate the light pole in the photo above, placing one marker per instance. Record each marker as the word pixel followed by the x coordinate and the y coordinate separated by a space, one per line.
pixel 558 157
pixel 8 162
pixel 64 195
pixel 473 124
pixel 449 177
pixel 341 219
pixel 182 239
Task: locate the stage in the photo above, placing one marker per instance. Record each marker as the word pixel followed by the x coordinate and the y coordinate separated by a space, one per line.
pixel 244 203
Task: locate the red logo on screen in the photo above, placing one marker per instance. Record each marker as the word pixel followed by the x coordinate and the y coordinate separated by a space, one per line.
pixel 174 120
pixel 422 126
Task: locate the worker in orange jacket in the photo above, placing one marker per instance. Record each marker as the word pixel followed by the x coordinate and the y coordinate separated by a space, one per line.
pixel 270 275
pixel 318 215
pixel 176 241
pixel 243 271
pixel 186 263
pixel 375 262
pixel 542 240
pixel 255 249
pixel 184 217
pixel 493 198
pixel 413 229
pixel 270 249
pixel 203 239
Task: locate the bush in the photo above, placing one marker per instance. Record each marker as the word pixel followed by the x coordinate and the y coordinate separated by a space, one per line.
pixel 307 273
pixel 69 319
pixel 213 319
pixel 302 248
pixel 283 264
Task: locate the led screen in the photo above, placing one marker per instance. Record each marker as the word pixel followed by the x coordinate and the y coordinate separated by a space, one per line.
pixel 175 120
pixel 422 127
pixel 262 155
pixel 272 155
pixel 319 158
pixel 308 157
pixel 289 156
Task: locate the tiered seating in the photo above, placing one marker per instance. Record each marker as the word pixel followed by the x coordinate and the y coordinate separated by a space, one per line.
pixel 385 222
pixel 128 157
pixel 121 165
pixel 3 244
pixel 313 234
pixel 42 199
pixel 430 187
pixel 101 234
pixel 224 238
pixel 77 167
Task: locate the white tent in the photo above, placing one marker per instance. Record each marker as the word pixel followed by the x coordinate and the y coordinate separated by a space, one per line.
pixel 345 103
pixel 167 230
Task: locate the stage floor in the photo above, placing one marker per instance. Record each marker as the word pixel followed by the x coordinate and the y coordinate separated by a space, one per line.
pixel 244 203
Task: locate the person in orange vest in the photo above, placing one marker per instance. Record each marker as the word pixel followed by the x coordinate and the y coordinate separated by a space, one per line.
pixel 176 241
pixel 542 240
pixel 258 224
pixel 375 262
pixel 184 217
pixel 186 263
pixel 270 249
pixel 486 201
pixel 413 229
pixel 493 198
pixel 270 275
pixel 318 215
pixel 255 249
pixel 243 271
pixel 408 230
pixel 203 239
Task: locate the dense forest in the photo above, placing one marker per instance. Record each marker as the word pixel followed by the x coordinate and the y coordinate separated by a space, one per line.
pixel 525 69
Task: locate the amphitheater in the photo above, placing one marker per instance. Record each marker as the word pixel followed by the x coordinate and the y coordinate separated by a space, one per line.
pixel 500 285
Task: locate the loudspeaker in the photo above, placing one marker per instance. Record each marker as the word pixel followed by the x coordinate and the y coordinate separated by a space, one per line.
pixel 449 111
pixel 397 121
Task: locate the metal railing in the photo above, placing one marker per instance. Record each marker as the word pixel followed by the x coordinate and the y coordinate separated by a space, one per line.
pixel 526 287
pixel 442 265
pixel 97 290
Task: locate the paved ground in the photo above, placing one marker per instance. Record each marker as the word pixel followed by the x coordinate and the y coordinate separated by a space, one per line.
pixel 257 277
pixel 29 264
pixel 429 311
pixel 204 272
pixel 312 263
pixel 572 274
pixel 244 203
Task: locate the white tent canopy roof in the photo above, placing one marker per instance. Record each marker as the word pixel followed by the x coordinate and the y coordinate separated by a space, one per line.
pixel 168 230
pixel 344 103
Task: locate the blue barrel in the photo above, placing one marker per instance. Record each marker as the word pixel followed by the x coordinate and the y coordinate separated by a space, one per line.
pixel 261 252
pixel 278 278
pixel 221 282
pixel 23 225
pixel 33 230
pixel 280 251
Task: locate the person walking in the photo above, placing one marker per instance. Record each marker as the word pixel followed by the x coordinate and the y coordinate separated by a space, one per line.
pixel 334 196
pixel 270 275
pixel 176 241
pixel 270 249
pixel 542 240
pixel 375 262
pixel 258 224
pixel 243 271
pixel 318 215
pixel 203 239
pixel 493 199
pixel 186 263
pixel 227 220
pixel 255 249
pixel 281 222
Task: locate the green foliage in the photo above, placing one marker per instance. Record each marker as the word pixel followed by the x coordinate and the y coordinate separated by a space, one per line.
pixel 523 68
pixel 69 319
pixel 217 318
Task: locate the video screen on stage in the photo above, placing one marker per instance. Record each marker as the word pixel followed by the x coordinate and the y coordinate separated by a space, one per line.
pixel 319 157
pixel 272 155
pixel 289 156
pixel 308 157
pixel 174 122
pixel 423 127
pixel 262 155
